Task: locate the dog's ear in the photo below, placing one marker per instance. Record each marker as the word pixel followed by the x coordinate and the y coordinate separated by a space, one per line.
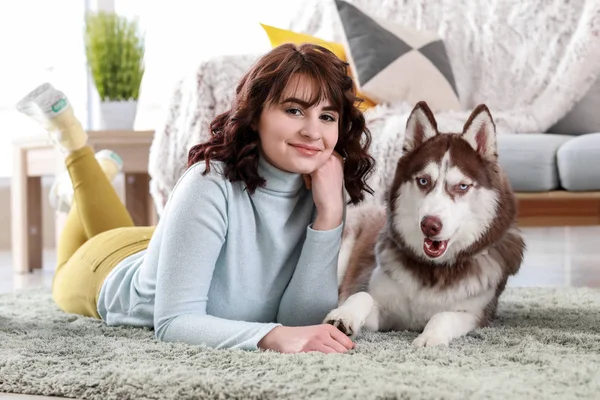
pixel 480 132
pixel 420 126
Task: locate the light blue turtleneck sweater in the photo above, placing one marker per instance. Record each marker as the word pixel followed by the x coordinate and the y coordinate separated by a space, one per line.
pixel 224 267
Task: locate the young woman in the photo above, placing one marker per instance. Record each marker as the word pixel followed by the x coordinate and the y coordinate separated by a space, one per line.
pixel 245 254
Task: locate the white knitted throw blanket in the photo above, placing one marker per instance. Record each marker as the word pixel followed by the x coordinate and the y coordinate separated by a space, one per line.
pixel 529 61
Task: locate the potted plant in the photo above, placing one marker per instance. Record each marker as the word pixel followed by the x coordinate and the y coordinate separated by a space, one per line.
pixel 114 49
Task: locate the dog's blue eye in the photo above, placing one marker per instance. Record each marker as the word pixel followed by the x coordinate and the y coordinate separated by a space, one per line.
pixel 422 181
pixel 463 186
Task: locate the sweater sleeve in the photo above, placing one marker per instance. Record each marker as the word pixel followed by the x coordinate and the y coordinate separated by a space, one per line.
pixel 194 231
pixel 313 289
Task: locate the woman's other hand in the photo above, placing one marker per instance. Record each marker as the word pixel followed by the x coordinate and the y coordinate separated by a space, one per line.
pixel 324 338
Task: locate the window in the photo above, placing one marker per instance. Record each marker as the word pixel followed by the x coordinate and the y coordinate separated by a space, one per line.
pixel 42 41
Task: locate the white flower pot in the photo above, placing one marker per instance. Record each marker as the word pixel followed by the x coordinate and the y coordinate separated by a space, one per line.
pixel 115 115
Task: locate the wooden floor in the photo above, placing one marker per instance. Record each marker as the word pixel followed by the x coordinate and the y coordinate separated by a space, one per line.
pixel 560 257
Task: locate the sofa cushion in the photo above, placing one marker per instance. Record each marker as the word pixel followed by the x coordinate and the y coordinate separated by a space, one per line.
pixel 529 160
pixel 395 63
pixel 579 163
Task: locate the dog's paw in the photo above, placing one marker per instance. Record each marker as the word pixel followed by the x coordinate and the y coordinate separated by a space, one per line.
pixel 431 339
pixel 344 320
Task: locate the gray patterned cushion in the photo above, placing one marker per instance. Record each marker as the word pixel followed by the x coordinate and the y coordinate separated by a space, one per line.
pixel 397 63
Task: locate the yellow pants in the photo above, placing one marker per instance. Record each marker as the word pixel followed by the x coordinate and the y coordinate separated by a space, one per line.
pixel 98 233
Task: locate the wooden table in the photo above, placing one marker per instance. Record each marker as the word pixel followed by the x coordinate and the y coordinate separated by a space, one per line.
pixel 36 156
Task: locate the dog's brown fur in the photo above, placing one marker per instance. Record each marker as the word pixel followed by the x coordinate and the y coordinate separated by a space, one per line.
pixel 365 225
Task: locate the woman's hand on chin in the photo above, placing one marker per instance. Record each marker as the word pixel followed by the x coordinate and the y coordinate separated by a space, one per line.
pixel 326 184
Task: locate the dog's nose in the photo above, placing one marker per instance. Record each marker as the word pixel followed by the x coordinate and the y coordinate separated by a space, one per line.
pixel 431 226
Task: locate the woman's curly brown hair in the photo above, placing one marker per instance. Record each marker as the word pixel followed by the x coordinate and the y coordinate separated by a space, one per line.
pixel 236 144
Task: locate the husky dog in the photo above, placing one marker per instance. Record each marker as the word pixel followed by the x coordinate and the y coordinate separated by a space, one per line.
pixel 437 257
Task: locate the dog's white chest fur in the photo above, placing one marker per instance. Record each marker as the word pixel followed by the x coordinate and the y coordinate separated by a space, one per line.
pixel 397 300
pixel 405 304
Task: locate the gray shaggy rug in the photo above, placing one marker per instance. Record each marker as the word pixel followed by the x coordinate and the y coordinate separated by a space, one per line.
pixel 545 344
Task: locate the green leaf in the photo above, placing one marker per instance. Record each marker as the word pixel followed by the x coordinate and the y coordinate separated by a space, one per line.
pixel 114 49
